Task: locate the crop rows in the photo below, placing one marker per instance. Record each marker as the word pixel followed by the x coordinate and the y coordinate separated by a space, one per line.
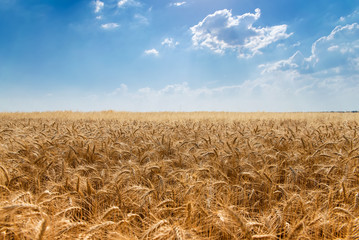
pixel 67 178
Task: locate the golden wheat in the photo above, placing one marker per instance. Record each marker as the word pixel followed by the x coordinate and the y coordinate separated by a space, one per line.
pixel 120 175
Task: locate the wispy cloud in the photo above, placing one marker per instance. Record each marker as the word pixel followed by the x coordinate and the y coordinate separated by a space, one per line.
pixel 109 26
pixel 152 51
pixel 119 91
pixel 141 19
pixel 222 31
pixel 124 3
pixel 98 6
pixel 351 18
pixel 169 42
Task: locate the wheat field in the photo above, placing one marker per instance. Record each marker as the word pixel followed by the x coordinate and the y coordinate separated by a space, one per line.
pixel 116 175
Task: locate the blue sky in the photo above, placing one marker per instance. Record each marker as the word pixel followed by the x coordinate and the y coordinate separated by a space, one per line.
pixel 187 55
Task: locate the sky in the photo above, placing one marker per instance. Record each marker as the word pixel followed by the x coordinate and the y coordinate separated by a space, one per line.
pixel 186 55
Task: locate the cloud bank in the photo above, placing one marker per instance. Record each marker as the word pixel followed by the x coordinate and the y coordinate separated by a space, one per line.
pixel 276 92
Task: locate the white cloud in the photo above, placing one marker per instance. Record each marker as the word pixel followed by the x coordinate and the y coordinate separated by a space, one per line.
pixel 222 31
pixel 336 53
pixel 109 26
pixel 124 3
pixel 178 4
pixel 98 6
pixel 152 51
pixel 98 17
pixel 169 42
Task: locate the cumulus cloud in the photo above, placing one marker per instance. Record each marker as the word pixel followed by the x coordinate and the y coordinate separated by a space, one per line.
pixel 222 31
pixel 336 53
pixel 178 4
pixel 98 6
pixel 152 51
pixel 339 49
pixel 169 42
pixel 124 3
pixel 109 26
